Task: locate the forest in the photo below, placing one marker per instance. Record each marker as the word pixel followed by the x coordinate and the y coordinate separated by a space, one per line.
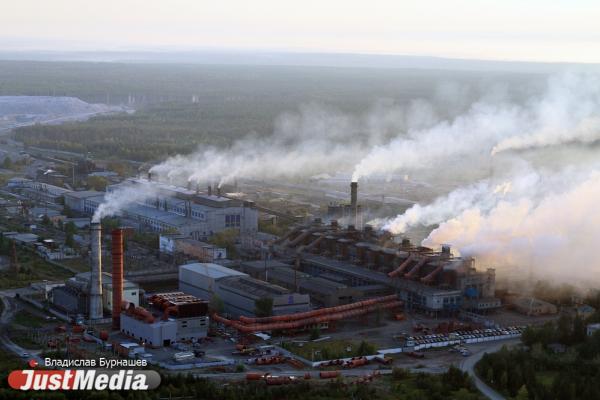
pixel 555 361
pixel 181 106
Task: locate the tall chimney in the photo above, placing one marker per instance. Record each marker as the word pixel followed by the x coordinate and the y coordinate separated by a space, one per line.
pixel 354 202
pixel 149 176
pixel 96 271
pixel 219 191
pixel 117 277
pixel 209 190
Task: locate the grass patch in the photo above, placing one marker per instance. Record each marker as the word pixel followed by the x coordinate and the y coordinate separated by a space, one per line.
pixel 32 268
pixel 28 320
pixel 78 264
pixel 26 342
pixel 331 349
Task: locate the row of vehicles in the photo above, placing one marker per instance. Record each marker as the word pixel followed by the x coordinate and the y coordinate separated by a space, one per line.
pixel 463 335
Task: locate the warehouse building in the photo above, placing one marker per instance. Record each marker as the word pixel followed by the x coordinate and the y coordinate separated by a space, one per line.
pixel 238 291
pixel 172 317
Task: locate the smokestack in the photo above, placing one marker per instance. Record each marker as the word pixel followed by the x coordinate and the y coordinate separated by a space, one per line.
pixel 354 202
pixel 96 272
pixel 209 190
pixel 149 176
pixel 117 277
pixel 218 191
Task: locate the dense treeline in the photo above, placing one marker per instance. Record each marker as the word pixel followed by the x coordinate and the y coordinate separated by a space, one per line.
pixel 558 361
pixel 149 134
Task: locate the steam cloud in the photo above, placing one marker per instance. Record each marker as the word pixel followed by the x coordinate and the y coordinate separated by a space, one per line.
pixel 115 201
pixel 564 113
pixel 314 141
pixel 555 237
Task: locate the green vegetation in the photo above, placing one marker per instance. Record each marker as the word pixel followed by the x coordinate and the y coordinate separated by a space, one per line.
pixel 227 239
pixel 263 307
pixel 28 320
pixel 558 362
pixel 32 268
pixel 330 349
pixel 216 304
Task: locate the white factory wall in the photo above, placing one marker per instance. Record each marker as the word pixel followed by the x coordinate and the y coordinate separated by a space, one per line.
pixel 154 334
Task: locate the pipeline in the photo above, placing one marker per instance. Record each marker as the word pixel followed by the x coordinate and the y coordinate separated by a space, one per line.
pixel 314 313
pixel 402 266
pixel 415 270
pixel 308 321
pixel 431 276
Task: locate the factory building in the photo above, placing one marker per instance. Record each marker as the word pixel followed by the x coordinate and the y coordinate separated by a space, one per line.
pixel 76 201
pixel 171 317
pixel 74 296
pixel 177 209
pixel 238 291
pixel 434 282
pixel 42 192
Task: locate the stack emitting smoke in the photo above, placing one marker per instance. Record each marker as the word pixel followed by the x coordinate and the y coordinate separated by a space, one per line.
pixel 117 277
pixel 96 272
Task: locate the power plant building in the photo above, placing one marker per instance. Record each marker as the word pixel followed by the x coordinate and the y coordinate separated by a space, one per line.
pixel 238 291
pixel 177 209
pixel 74 296
pixel 172 317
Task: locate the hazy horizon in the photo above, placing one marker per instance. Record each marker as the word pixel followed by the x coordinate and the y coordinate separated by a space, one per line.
pixel 504 31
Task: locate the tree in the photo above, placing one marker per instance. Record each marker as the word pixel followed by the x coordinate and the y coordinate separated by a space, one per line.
pixel 263 307
pixel 314 333
pixel 216 304
pixel 97 183
pixel 69 241
pixel 7 163
pixel 46 220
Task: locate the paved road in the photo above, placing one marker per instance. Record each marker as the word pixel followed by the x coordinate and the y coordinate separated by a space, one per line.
pixel 236 376
pixel 8 313
pixel 468 365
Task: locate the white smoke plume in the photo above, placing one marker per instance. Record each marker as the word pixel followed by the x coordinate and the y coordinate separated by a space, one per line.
pixel 551 233
pixel 115 201
pixel 484 194
pixel 314 141
pixel 565 112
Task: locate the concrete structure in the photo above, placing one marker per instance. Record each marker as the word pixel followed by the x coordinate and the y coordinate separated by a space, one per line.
pixel 74 296
pixel 173 317
pixel 238 291
pixel 76 201
pixel 43 192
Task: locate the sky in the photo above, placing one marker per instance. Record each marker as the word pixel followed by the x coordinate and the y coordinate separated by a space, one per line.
pixel 510 30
